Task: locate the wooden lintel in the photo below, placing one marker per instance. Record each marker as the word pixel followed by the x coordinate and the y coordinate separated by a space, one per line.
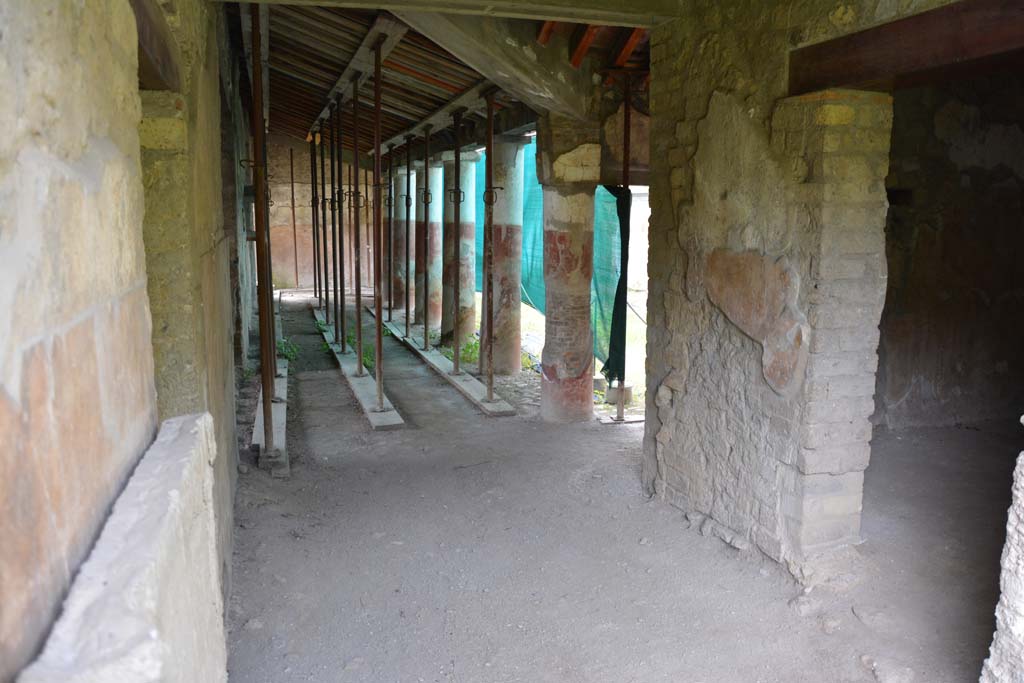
pixel 470 100
pixel 158 51
pixel 950 37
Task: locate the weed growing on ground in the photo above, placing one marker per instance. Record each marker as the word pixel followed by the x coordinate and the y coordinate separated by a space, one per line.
pixel 286 348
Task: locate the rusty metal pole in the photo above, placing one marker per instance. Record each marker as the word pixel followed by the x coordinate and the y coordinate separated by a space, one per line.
pixel 323 222
pixel 295 235
pixel 457 197
pixel 620 408
pixel 391 230
pixel 356 205
pixel 266 313
pixel 339 298
pixel 334 222
pixel 408 219
pixel 313 205
pixel 490 196
pixel 378 228
pixel 427 200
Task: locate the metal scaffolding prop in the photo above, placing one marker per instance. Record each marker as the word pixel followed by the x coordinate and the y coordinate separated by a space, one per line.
pixel 313 207
pixel 264 297
pixel 295 236
pixel 490 197
pixel 378 228
pixel 458 196
pixel 335 239
pixel 339 265
pixel 323 222
pixel 357 204
pixel 408 220
pixel 391 230
pixel 427 199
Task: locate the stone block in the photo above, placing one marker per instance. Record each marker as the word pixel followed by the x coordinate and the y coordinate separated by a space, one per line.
pixel 821 435
pixel 146 605
pixel 834 115
pixel 834 459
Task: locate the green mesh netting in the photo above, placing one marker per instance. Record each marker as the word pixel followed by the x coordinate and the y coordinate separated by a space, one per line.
pixel 607 245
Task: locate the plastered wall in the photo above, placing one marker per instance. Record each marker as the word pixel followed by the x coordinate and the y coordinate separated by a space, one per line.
pixel 281 234
pixel 735 177
pixel 952 330
pixel 77 398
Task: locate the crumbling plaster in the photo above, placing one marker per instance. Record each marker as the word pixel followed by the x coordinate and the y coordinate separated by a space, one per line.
pixel 728 171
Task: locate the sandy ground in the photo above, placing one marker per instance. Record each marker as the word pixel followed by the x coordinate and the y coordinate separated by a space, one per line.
pixel 467 548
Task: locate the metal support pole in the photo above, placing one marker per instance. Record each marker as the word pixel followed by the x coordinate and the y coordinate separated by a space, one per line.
pixel 323 222
pixel 378 227
pixel 620 408
pixel 339 298
pixel 313 207
pixel 391 230
pixel 334 222
pixel 427 199
pixel 259 170
pixel 295 236
pixel 490 196
pixel 409 277
pixel 356 207
pixel 457 197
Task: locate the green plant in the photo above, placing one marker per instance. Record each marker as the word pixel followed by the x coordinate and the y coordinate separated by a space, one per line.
pixel 287 349
pixel 324 346
pixel 368 351
pixel 528 361
pixel 321 326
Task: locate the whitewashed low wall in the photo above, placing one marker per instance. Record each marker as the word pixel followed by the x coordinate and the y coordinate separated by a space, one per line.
pixel 146 605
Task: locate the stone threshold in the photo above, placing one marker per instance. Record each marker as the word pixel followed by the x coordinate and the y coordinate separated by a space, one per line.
pixel 467 385
pixel 363 386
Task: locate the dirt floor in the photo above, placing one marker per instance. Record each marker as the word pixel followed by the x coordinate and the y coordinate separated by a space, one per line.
pixel 466 548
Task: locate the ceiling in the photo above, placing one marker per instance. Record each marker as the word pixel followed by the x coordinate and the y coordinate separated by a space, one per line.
pixel 310 48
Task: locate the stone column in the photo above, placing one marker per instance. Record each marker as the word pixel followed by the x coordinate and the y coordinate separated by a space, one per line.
pixel 567 379
pixel 398 275
pixel 421 228
pixel 433 259
pixel 467 248
pixel 508 255
pixel 569 166
pixel 448 266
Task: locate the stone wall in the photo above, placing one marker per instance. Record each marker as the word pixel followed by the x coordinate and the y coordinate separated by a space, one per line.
pixel 952 330
pixel 146 606
pixel 77 399
pixel 744 391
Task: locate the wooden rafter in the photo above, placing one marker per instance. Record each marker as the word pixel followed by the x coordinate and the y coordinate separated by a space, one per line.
pixel 625 50
pixel 582 39
pixel 547 29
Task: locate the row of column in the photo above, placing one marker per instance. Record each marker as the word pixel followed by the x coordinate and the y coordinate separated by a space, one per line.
pixel 567 359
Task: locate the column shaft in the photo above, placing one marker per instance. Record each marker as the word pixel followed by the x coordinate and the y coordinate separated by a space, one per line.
pixel 433 258
pixel 508 256
pixel 567 391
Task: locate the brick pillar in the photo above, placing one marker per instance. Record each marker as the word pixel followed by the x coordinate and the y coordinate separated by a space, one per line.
pixel 398 275
pixel 421 228
pixel 843 138
pixel 448 266
pixel 508 255
pixel 433 226
pixel 567 385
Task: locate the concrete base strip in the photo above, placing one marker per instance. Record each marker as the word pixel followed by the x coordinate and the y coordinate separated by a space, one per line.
pixel 468 385
pixel 146 605
pixel 277 462
pixel 365 386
